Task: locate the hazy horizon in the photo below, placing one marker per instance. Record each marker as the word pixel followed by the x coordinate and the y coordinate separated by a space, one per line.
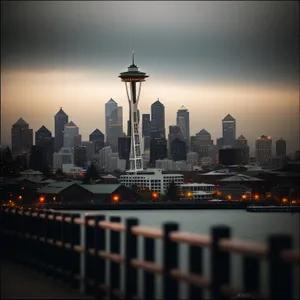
pixel 214 58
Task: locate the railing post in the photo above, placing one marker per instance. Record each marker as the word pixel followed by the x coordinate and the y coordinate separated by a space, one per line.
pixel 75 257
pixel 130 253
pixel 87 268
pixel 251 275
pixel 149 278
pixel 65 257
pixel 114 268
pixel 100 263
pixel 195 268
pixel 280 272
pixel 220 263
pixel 170 261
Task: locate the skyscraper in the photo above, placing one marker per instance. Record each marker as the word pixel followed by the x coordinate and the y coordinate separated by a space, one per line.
pixel 97 137
pixel 44 139
pixel 72 138
pixel 158 150
pixel 124 149
pixel 115 127
pixel 60 120
pixel 174 133
pixel 146 124
pixel 281 147
pixel 229 131
pixel 110 106
pixel 263 148
pixel 158 120
pixel 21 138
pixel 178 150
pixel 183 121
pixel 242 143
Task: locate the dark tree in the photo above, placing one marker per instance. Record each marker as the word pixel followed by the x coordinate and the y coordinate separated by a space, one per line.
pixel 135 188
pixel 91 174
pixel 6 163
pixel 172 192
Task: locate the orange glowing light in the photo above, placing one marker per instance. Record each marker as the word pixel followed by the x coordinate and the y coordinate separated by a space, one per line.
pixel 42 199
pixel 154 195
pixel 54 198
pixel 294 202
pixel 116 198
pixel 229 197
pixel 244 197
pixel 23 188
pixel 256 197
pixel 284 200
pixel 20 197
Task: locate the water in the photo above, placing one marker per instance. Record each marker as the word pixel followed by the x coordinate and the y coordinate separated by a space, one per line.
pixel 247 226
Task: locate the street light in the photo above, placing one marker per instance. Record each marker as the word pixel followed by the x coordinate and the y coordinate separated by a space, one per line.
pixel 116 198
pixel 154 195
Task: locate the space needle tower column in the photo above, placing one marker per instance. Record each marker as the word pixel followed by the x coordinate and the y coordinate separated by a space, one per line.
pixel 131 78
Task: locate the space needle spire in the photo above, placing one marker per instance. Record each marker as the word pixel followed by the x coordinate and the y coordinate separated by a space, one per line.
pixel 131 78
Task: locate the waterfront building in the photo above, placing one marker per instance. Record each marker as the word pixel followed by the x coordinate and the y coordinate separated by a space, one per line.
pixel 197 191
pixel 153 179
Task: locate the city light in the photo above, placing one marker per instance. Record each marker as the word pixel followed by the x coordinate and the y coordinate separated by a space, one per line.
pixel 20 197
pixel 284 200
pixel 116 198
pixel 42 199
pixel 54 198
pixel 256 196
pixel 244 197
pixel 229 197
pixel 154 195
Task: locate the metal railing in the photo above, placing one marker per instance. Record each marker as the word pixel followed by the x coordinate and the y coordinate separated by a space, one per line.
pixel 75 250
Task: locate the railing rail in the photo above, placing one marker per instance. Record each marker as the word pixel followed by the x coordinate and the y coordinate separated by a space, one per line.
pixel 73 248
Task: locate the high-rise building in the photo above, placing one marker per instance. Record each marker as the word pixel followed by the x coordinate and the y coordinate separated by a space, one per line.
pixel 178 150
pixel 38 158
pixel 242 143
pixel 263 149
pixel 110 106
pixel 60 120
pixel 158 120
pixel 97 137
pixel 80 156
pixel 72 138
pixel 104 157
pixel 90 150
pixel 183 121
pixel 115 127
pixel 158 150
pixel 124 149
pixel 131 78
pixel 63 156
pixel 43 138
pixel 146 125
pixel 281 147
pixel 21 138
pixel 174 133
pixel 229 131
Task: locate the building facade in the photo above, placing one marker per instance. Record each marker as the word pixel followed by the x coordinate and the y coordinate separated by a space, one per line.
pixel 158 120
pixel 281 147
pixel 263 149
pixel 229 130
pixel 21 138
pixel 97 137
pixel 183 121
pixel 44 139
pixel 60 120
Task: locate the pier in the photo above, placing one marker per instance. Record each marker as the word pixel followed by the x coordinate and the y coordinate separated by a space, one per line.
pixel 99 257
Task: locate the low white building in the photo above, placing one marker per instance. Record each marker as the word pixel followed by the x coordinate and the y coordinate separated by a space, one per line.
pixel 71 169
pixel 153 179
pixel 32 175
pixel 197 191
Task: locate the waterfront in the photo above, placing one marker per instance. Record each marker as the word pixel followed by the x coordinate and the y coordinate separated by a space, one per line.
pixel 246 226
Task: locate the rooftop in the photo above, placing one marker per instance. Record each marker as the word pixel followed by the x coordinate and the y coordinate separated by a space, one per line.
pixel 241 138
pixel 61 113
pixel 182 107
pixel 101 188
pixel 229 118
pixel 55 187
pixel 202 132
pixel 157 102
pixel 71 123
pixel 31 172
pixel 21 122
pixel 241 177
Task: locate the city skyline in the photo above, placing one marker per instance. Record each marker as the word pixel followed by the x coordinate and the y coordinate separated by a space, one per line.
pixel 253 80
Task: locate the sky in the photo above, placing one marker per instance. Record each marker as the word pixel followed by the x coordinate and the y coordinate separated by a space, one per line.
pixel 212 57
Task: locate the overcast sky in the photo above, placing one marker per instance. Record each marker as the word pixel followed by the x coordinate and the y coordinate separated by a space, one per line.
pixel 214 57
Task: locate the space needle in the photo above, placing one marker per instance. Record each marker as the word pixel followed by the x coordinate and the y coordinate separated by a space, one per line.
pixel 131 78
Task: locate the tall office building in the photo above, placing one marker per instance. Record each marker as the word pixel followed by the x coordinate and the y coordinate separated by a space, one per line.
pixel 201 143
pixel 178 150
pixel 183 121
pixel 44 139
pixel 115 128
pixel 158 120
pixel 80 156
pixel 174 133
pixel 72 138
pixel 90 150
pixel 60 120
pixel 97 137
pixel 263 149
pixel 21 138
pixel 242 143
pixel 146 125
pixel 110 106
pixel 229 131
pixel 124 149
pixel 281 147
pixel 158 150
